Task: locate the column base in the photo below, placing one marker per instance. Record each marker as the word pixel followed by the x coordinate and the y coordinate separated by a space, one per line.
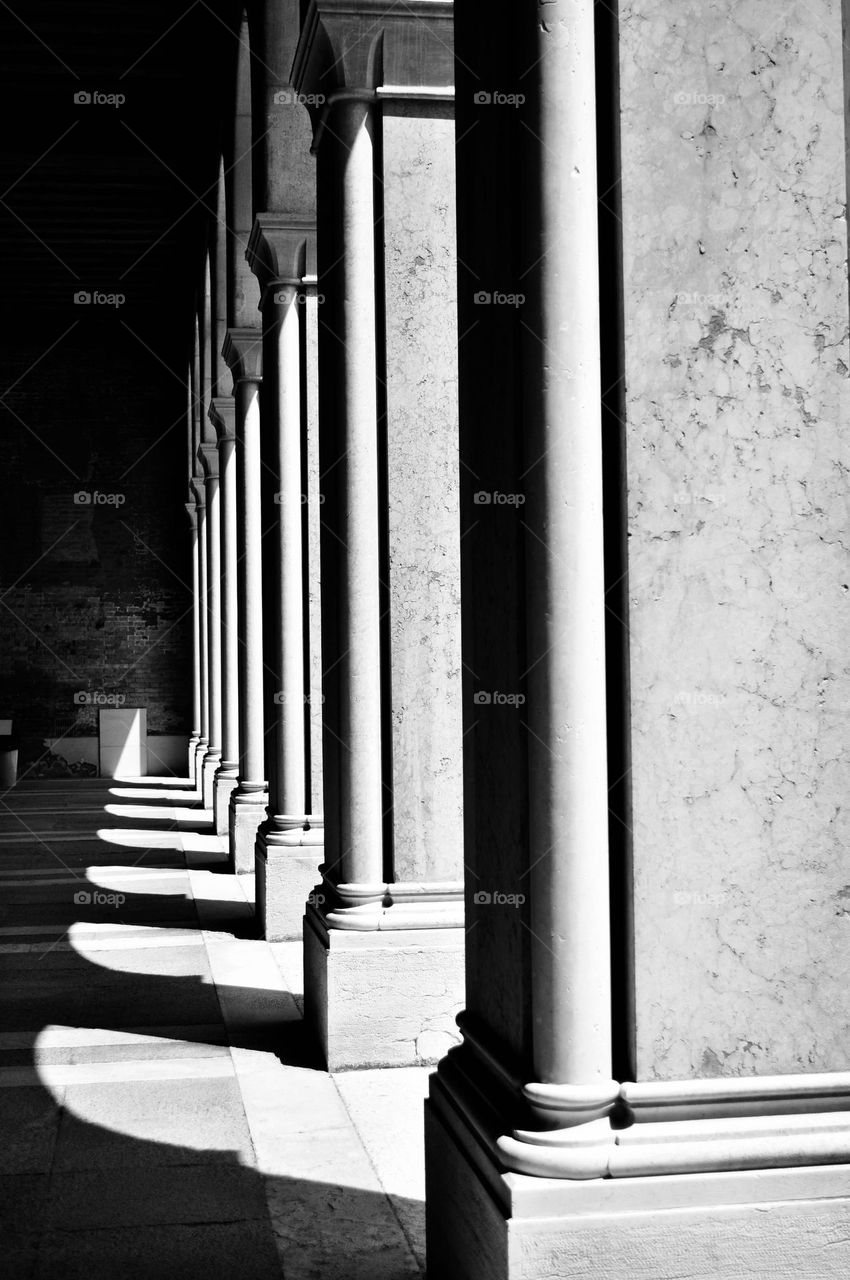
pixel 382 998
pixel 247 811
pixel 192 751
pixel 225 783
pixel 198 772
pixel 287 865
pixel 485 1224
pixel 212 760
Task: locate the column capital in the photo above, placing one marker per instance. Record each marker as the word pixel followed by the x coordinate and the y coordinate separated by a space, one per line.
pixel 197 487
pixel 351 46
pixel 222 415
pixel 243 352
pixel 192 513
pixel 208 454
pixel 281 248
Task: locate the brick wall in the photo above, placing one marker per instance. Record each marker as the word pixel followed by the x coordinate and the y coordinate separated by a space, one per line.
pixel 94 595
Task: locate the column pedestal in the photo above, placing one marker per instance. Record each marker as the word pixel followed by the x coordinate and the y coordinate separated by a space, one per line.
pixel 286 878
pixel 486 1224
pixel 380 997
pixel 246 812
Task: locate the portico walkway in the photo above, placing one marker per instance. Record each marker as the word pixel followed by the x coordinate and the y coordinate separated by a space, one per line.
pixel 164 1108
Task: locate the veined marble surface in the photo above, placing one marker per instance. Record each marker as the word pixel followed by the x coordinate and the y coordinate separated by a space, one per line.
pixel 736 310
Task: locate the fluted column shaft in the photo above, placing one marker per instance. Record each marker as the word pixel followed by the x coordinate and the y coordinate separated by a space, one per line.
pixel 243 352
pixel 361 821
pixel 209 455
pixel 203 620
pixel 194 737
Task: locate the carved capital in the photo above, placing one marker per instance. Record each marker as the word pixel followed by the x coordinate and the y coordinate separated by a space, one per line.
pixel 357 45
pixel 281 248
pixel 243 354
pixel 208 455
pixel 222 415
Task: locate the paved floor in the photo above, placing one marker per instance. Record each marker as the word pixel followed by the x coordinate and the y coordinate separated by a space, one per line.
pixel 161 1108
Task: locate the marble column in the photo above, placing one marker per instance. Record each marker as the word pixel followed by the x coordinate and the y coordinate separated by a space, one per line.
pixel 208 455
pixel 223 418
pixel 199 490
pixel 243 353
pixel 557 1142
pixel 195 735
pixel 384 930
pixel 290 841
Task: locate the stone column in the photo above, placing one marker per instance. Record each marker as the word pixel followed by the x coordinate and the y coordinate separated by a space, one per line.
pixel 388 915
pixel 545 1155
pixel 199 491
pixel 223 417
pixel 290 841
pixel 208 455
pixel 243 353
pixel 195 736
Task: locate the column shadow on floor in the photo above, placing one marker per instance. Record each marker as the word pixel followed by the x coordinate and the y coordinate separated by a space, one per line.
pixel 125 1150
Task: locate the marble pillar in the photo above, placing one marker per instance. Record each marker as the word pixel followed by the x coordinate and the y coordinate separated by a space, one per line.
pixel 199 490
pixel 223 417
pixel 195 735
pixel 243 353
pixel 208 455
pixel 290 841
pixel 582 1128
pixel 384 931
